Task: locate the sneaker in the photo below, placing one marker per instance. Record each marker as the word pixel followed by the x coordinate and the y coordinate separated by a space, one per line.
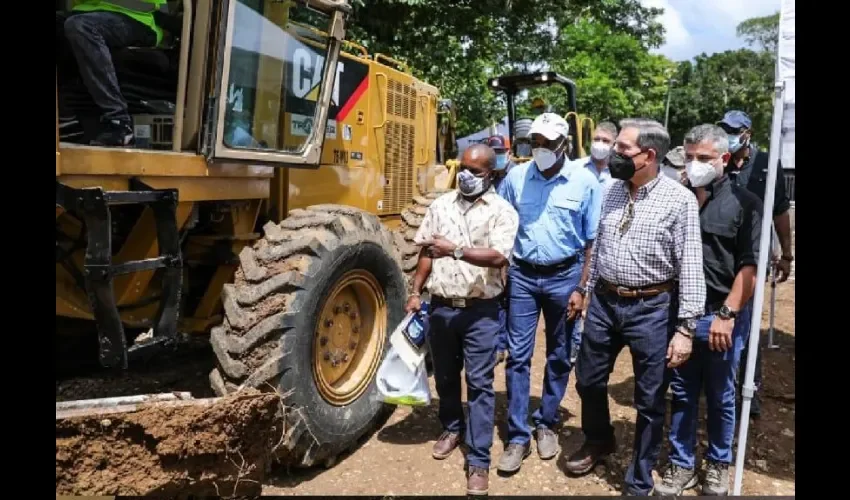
pixel 477 481
pixel 445 445
pixel 586 458
pixel 675 480
pixel 547 443
pixel 716 479
pixel 115 133
pixel 513 456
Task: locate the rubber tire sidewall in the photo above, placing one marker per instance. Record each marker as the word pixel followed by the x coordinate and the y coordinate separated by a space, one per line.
pixel 330 424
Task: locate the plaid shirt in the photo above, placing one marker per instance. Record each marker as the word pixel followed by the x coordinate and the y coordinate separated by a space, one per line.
pixel 652 240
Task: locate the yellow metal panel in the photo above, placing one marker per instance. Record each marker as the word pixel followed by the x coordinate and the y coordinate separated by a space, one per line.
pixel 90 160
pixel 193 189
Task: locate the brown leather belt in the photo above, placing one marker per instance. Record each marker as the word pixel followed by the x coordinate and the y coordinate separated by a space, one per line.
pixel 637 293
pixel 459 303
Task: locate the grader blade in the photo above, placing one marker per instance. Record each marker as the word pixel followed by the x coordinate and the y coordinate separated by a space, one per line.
pixel 124 404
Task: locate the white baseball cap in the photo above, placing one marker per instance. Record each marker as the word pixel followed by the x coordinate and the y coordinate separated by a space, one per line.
pixel 550 125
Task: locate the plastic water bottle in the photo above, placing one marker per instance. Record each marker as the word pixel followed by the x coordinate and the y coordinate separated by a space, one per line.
pixel 415 329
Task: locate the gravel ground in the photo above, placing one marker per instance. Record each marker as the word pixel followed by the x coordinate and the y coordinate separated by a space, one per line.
pixel 396 460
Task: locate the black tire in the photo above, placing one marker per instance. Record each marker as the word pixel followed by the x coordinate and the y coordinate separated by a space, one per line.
pixel 271 310
pixel 411 219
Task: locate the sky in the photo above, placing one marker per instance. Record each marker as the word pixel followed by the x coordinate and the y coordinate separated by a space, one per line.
pixel 696 26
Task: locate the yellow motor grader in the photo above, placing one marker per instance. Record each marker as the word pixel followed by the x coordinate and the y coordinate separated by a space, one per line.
pixel 260 211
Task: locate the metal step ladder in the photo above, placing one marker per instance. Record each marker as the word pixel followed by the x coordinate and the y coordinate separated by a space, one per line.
pixel 93 205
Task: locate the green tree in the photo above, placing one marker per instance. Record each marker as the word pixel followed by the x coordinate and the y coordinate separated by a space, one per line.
pixel 458 44
pixel 711 85
pixel 761 32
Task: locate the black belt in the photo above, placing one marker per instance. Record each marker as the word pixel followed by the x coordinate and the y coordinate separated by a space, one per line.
pixel 460 303
pixel 547 268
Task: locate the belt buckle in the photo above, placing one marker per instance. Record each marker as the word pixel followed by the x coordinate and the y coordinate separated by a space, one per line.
pixel 459 303
pixel 624 292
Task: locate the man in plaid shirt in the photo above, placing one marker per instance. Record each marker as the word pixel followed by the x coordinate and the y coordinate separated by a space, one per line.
pixel 648 289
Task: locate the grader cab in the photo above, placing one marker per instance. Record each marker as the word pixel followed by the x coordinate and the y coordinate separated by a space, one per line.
pixel 513 85
pixel 263 211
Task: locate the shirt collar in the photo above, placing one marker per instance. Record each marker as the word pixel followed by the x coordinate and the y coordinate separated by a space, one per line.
pixel 647 188
pixel 565 171
pixel 595 171
pixel 487 197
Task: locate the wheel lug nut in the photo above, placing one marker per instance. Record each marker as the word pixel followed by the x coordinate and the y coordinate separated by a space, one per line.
pixel 323 341
pixel 346 307
pixel 327 356
pixel 336 310
pixel 352 345
pixel 353 315
pixel 345 357
pixel 355 330
pixel 329 323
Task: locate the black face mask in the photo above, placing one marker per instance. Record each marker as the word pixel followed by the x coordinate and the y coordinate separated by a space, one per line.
pixel 621 166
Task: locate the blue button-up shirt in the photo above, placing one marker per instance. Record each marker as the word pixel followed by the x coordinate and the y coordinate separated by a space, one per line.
pixel 557 217
pixel 604 177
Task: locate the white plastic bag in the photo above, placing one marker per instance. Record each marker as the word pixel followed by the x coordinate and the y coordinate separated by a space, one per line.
pixel 402 377
pixel 399 385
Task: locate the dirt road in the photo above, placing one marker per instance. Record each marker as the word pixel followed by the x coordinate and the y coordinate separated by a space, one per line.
pixel 397 459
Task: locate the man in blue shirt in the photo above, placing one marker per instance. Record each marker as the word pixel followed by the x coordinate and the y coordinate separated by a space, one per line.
pixel 559 212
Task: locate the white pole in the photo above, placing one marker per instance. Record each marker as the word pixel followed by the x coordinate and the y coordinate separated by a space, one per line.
pixel 758 306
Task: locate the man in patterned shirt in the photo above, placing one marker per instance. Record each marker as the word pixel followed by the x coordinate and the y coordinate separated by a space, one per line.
pixel 466 238
pixel 648 289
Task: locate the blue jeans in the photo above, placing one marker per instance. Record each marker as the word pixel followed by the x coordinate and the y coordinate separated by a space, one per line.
pixel 466 338
pixel 530 292
pixel 646 325
pixel 714 372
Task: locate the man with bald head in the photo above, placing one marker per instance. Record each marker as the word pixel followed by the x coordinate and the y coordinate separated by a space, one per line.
pixel 466 238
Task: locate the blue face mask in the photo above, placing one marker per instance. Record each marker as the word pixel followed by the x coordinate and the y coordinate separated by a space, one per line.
pixel 501 161
pixel 735 143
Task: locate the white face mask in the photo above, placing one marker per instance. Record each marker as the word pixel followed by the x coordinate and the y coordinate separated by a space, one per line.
pixel 671 173
pixel 701 174
pixel 599 150
pixel 544 158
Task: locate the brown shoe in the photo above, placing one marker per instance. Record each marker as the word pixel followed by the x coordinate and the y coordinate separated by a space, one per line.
pixel 444 446
pixel 586 458
pixel 477 481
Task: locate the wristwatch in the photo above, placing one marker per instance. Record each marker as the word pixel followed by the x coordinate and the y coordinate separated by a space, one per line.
pixel 726 312
pixel 687 327
pixel 458 253
pixel 581 290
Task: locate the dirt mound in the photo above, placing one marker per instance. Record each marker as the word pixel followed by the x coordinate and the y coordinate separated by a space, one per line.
pixel 221 449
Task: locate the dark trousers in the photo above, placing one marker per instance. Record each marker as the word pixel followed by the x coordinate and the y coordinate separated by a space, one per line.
pixel 87 38
pixel 646 325
pixel 530 292
pixel 466 339
pixel 502 339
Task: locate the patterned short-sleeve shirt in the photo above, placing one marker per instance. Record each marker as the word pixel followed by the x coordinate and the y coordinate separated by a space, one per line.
pixel 489 222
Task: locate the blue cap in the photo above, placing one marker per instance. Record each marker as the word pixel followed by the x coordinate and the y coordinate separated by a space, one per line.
pixel 736 119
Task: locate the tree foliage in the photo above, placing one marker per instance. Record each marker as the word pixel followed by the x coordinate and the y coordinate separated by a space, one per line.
pixel 761 32
pixel 602 45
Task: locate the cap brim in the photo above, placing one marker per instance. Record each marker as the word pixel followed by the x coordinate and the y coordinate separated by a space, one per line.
pixel 549 134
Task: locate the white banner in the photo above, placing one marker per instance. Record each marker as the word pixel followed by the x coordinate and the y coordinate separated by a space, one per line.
pixel 785 71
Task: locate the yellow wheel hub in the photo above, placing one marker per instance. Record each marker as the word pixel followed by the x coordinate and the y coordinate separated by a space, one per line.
pixel 349 338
